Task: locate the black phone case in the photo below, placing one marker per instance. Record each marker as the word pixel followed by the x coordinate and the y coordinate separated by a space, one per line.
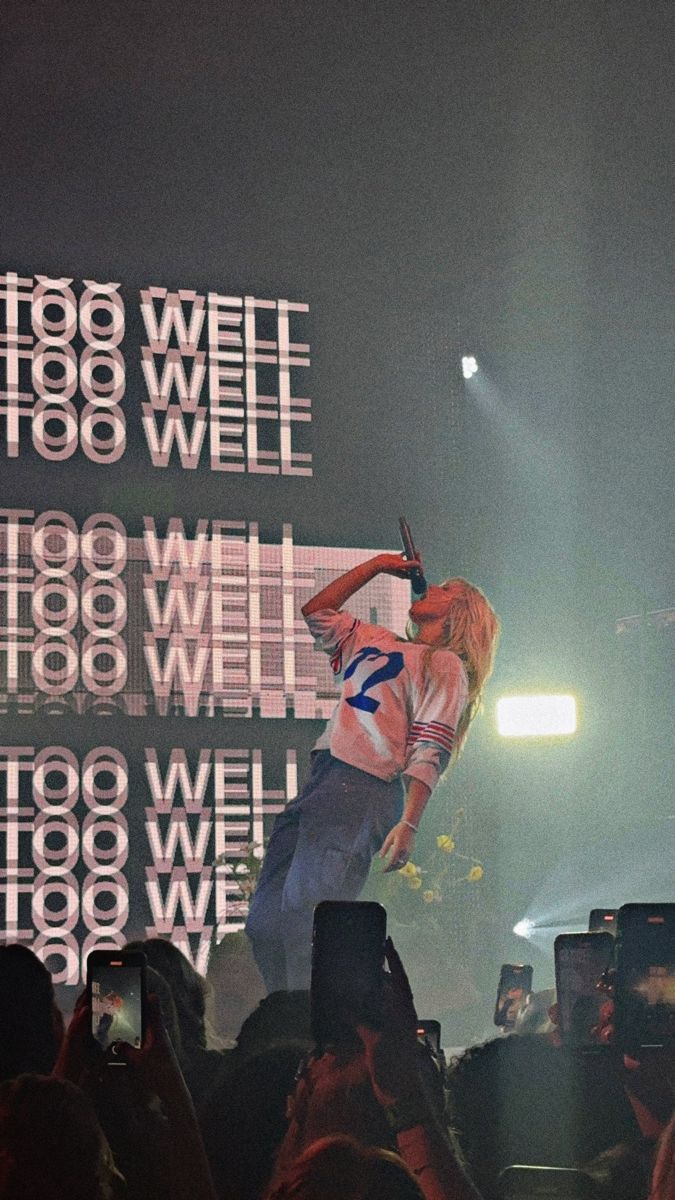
pixel 347 969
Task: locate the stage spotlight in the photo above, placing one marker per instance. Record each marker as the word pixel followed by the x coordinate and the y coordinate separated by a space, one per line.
pixel 469 366
pixel 536 716
pixel 523 928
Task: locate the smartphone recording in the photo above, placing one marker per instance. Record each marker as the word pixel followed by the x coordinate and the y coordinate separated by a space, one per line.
pixel 602 920
pixel 515 985
pixel 429 1034
pixel 347 985
pixel 116 986
pixel 581 961
pixel 645 976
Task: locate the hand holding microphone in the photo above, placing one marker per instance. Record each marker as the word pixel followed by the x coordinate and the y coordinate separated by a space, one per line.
pixel 417 580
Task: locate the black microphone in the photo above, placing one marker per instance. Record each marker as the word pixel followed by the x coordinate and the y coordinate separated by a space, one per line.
pixel 417 581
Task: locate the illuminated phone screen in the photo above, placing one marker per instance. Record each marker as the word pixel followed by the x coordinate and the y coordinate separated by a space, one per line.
pixel 646 991
pixel 515 984
pixel 581 961
pixel 655 984
pixel 116 1005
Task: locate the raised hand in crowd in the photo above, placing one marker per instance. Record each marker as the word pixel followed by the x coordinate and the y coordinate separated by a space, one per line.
pixel 408 1086
pixel 388 1094
pixel 159 1154
pixel 156 1065
pixel 80 1059
pixel 648 1073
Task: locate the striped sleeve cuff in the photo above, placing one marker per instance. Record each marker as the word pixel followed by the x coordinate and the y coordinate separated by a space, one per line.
pixel 435 732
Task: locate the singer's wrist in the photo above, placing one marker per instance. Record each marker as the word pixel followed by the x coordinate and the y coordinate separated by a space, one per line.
pixel 380 565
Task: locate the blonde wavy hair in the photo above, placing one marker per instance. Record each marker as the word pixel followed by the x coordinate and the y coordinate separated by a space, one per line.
pixel 472 631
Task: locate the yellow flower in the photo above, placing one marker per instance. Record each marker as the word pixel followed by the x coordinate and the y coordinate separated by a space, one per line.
pixel 445 843
pixel 475 874
pixel 414 882
pixel 410 870
pixel 428 897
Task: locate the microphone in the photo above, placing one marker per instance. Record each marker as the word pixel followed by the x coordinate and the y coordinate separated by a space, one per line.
pixel 417 580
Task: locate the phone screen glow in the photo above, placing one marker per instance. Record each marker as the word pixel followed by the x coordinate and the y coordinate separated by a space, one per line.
pixel 116 1005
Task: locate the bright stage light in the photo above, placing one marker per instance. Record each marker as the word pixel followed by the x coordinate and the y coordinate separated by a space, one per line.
pixel 469 366
pixel 523 928
pixel 536 716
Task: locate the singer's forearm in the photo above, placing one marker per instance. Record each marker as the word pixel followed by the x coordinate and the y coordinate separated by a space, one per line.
pixel 416 798
pixel 340 589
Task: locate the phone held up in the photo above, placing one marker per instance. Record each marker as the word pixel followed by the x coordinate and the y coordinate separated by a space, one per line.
pixel 602 919
pixel 581 960
pixel 515 985
pixel 645 976
pixel 347 984
pixel 429 1034
pixel 116 987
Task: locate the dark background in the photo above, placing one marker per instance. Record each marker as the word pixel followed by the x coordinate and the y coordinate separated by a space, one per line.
pixel 434 179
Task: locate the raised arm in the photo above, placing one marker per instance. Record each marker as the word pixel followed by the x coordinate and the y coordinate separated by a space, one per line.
pixel 393 1060
pixel 157 1066
pixel 339 590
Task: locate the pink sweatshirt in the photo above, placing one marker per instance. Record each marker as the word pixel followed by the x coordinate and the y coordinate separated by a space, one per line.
pixel 394 716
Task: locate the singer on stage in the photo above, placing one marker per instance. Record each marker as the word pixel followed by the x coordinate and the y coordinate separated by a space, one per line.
pixel 403 714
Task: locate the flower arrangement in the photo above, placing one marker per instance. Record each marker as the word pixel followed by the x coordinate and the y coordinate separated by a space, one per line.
pixel 432 908
pixel 246 870
pixel 429 905
pixel 434 880
pixel 431 882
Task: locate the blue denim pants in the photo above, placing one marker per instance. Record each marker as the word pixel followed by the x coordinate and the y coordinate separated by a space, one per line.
pixel 321 848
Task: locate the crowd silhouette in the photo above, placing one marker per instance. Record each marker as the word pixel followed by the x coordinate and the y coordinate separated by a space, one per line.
pixel 273 1117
